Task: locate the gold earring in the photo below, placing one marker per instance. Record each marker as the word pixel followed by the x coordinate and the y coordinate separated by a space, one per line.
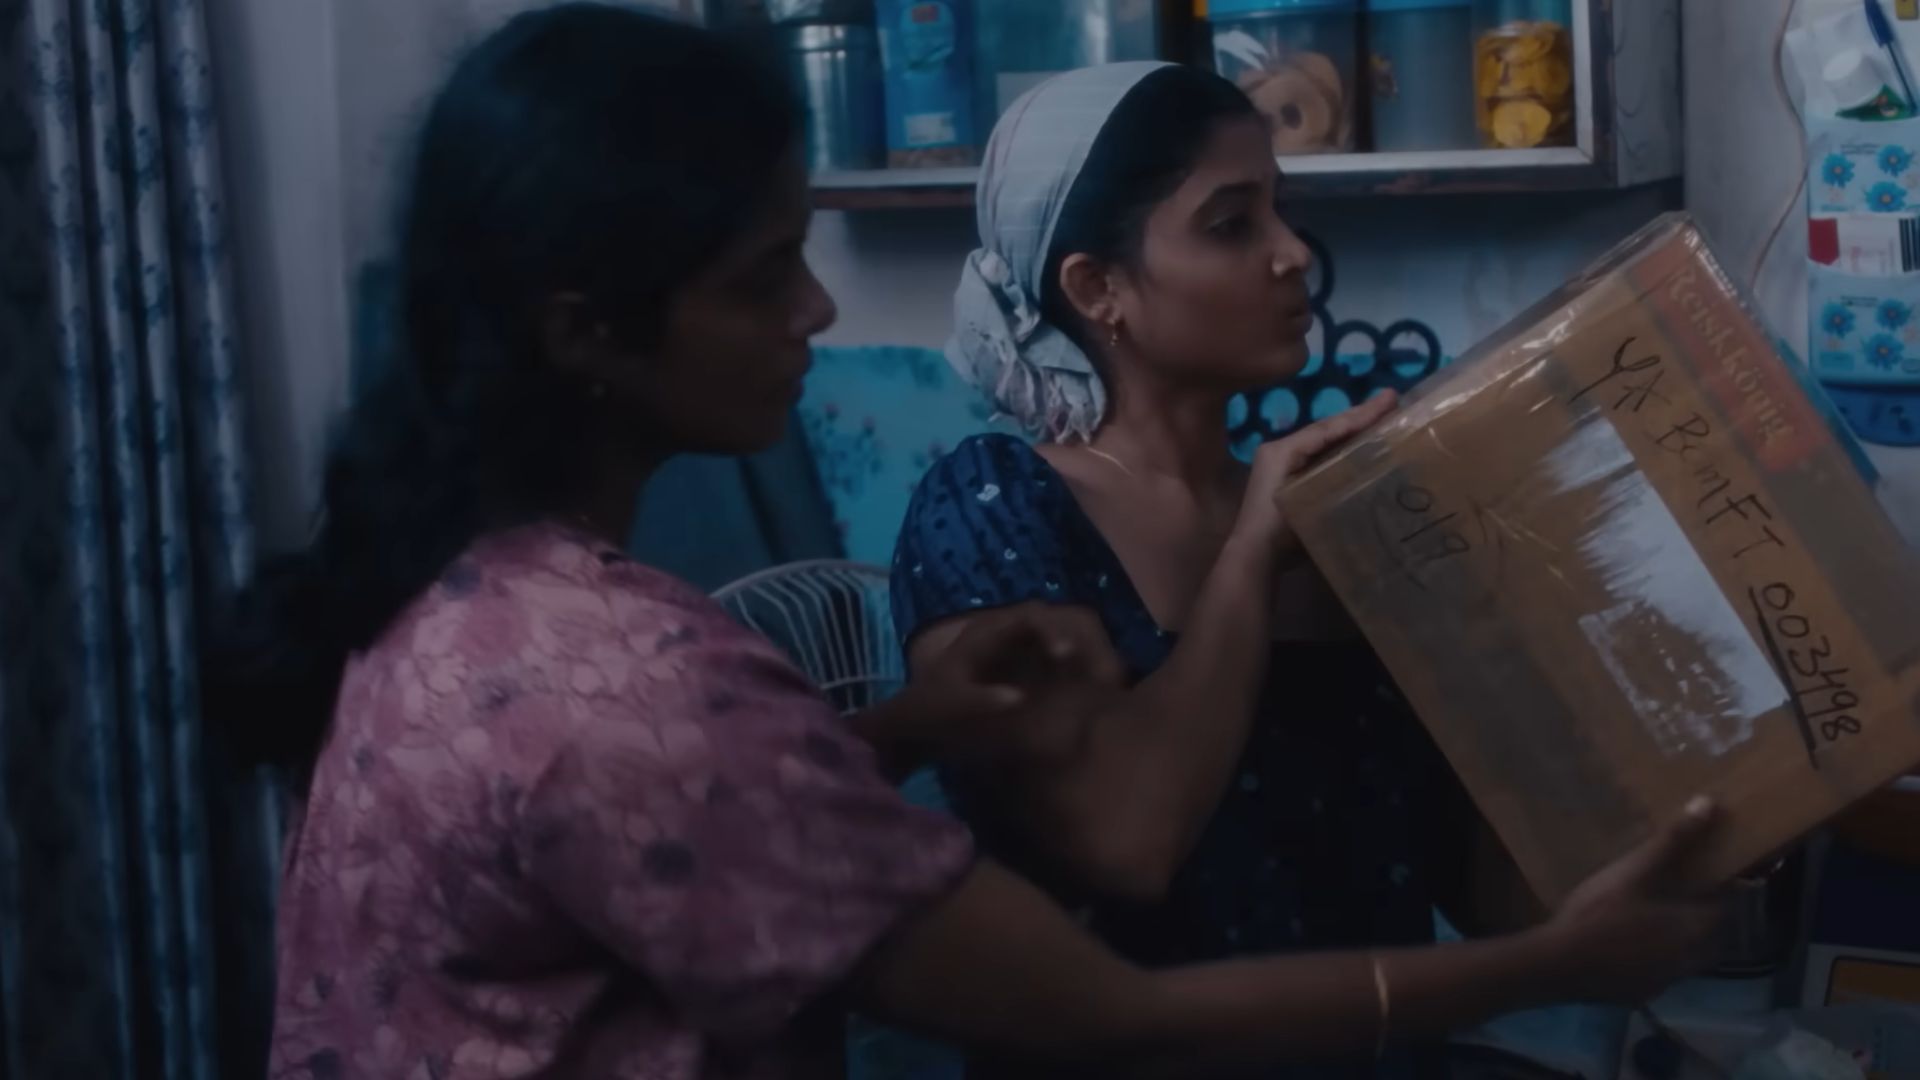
pixel 1113 334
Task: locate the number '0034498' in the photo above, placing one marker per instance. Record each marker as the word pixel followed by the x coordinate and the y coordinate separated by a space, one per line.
pixel 1824 699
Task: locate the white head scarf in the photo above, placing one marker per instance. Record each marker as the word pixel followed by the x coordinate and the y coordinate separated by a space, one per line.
pixel 1031 369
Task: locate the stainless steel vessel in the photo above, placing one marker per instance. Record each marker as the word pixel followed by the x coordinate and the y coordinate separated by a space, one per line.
pixel 836 67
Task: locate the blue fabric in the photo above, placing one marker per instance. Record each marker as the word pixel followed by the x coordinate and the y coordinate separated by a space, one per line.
pixel 135 868
pixel 1314 845
pixel 875 419
pixel 714 520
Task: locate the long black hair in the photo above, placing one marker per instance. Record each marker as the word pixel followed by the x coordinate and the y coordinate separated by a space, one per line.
pixel 584 149
pixel 1148 147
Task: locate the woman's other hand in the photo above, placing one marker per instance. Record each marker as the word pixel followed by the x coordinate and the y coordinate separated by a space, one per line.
pixel 1642 924
pixel 1281 460
pixel 1017 686
pixel 998 966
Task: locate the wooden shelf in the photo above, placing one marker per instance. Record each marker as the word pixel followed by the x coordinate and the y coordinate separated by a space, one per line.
pixel 894 189
pixel 1310 176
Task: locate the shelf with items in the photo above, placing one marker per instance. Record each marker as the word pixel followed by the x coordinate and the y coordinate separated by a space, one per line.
pixel 1626 78
pixel 1308 176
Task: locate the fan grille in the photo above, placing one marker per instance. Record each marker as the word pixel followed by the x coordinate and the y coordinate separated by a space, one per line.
pixel 833 619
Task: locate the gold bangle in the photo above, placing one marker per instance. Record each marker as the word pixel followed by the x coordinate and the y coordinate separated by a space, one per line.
pixel 1384 992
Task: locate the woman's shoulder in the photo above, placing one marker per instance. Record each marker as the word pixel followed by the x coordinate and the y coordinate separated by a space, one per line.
pixel 550 633
pixel 548 612
pixel 994 453
pixel 992 525
pixel 988 476
pixel 563 586
pixel 562 557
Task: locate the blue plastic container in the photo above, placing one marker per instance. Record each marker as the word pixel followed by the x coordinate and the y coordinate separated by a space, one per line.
pixel 1022 43
pixel 1421 64
pixel 927 48
pixel 1492 13
pixel 1299 61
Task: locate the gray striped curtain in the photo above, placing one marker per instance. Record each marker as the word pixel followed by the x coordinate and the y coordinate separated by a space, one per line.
pixel 135 867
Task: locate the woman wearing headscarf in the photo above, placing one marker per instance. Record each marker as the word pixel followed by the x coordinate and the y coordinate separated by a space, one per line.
pixel 1258 787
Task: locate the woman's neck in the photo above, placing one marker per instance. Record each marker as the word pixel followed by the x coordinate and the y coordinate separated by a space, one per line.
pixel 608 502
pixel 1172 435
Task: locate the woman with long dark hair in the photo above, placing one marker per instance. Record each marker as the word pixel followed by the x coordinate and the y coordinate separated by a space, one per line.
pixel 558 815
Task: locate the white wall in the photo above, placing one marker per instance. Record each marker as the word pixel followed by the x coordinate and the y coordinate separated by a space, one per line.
pixel 318 99
pixel 399 51
pixel 1744 150
pixel 314 104
pixel 275 69
pixel 1744 166
pixel 1463 265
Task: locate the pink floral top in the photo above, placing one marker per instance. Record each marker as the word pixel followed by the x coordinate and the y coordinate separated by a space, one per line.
pixel 573 821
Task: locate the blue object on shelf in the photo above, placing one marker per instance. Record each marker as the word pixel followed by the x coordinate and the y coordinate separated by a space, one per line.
pixel 1828 406
pixel 1883 36
pixel 1491 13
pixel 1880 415
pixel 1023 42
pixel 1420 59
pixel 927 51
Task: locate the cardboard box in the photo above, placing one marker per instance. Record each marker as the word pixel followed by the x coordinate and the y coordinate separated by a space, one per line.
pixel 1619 555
